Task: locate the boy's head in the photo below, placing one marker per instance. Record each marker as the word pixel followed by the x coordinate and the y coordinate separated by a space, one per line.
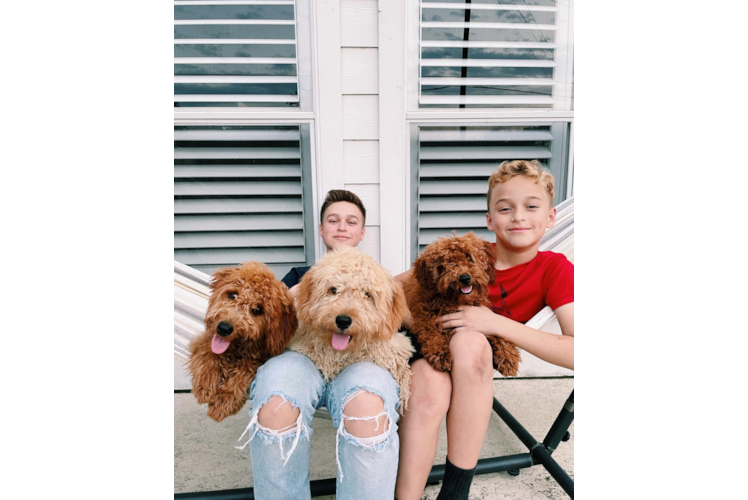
pixel 520 204
pixel 342 219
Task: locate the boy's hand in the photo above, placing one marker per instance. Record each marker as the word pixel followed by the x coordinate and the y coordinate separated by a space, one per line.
pixel 473 318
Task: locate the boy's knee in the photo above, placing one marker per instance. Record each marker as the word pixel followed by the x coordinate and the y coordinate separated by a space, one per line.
pixel 472 355
pixel 430 392
pixel 277 414
pixel 359 414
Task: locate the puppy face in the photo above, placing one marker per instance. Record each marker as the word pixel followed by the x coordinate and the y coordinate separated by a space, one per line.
pixel 350 299
pixel 458 268
pixel 248 304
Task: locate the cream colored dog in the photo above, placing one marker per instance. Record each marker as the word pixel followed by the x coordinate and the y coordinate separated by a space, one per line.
pixel 349 309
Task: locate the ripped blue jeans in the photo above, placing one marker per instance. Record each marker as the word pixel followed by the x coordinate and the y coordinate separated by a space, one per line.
pixel 367 467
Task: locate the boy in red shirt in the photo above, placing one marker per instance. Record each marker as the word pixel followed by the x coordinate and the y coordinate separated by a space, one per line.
pixel 520 209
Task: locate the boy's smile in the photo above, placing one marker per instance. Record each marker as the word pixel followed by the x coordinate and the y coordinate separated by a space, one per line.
pixel 520 213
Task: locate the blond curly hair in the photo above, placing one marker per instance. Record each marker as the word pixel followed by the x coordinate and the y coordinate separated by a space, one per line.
pixel 510 169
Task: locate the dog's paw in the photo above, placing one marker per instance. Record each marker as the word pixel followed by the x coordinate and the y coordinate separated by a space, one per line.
pixel 217 412
pixel 224 405
pixel 506 356
pixel 441 361
pixel 506 361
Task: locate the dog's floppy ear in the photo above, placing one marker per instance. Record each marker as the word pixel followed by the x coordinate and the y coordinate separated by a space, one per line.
pixel 398 311
pixel 422 271
pixel 304 295
pixel 221 275
pixel 282 328
pixel 491 264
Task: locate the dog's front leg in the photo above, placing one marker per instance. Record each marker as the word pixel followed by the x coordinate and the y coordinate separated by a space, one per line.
pixel 506 357
pixel 233 393
pixel 206 375
pixel 435 347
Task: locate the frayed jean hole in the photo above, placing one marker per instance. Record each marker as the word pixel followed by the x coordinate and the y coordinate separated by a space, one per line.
pixel 283 400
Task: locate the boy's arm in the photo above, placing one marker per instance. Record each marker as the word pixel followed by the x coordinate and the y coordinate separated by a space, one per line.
pixel 555 349
pixel 403 277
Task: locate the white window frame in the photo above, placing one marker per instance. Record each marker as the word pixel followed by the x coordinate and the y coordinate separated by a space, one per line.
pixel 306 113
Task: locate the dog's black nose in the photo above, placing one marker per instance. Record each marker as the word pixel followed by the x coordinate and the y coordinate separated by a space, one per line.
pixel 465 279
pixel 343 322
pixel 224 329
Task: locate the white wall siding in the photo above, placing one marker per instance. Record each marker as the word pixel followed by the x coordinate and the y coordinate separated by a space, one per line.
pixel 360 70
pixel 359 26
pixel 361 160
pixel 360 117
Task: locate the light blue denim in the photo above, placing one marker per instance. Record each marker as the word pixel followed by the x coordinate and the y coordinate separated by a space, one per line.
pixel 367 469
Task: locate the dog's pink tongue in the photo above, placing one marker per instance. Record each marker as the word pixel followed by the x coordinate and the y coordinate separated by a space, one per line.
pixel 219 345
pixel 340 341
pixel 467 289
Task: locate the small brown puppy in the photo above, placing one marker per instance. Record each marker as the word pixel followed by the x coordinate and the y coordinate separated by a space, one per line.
pixel 451 272
pixel 250 318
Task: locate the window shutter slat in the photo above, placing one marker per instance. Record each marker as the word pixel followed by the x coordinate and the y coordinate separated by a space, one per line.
pixel 217 256
pixel 485 152
pixel 182 171
pixel 239 239
pixel 236 205
pixel 239 195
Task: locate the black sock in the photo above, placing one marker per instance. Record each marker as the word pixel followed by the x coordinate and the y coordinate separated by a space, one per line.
pixel 456 484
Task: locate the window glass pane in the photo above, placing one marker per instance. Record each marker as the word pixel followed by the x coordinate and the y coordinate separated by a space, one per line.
pixel 486 53
pixel 236 69
pixel 281 12
pixel 474 72
pixel 489 35
pixel 234 50
pixel 242 31
pixel 235 88
pixel 489 16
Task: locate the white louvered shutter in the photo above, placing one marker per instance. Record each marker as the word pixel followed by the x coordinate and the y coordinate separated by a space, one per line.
pixel 235 53
pixel 453 165
pixel 495 54
pixel 242 193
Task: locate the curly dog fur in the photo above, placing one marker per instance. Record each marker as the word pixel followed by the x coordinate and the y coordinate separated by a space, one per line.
pixel 250 318
pixel 441 282
pixel 348 294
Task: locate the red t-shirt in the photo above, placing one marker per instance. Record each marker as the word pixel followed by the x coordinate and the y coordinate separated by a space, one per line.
pixel 520 292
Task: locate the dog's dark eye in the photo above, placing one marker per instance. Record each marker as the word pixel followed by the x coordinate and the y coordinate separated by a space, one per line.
pixel 368 295
pixel 232 295
pixel 257 311
pixel 469 258
pixel 333 290
pixel 440 269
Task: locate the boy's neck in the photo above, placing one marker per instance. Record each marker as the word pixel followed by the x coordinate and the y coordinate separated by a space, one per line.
pixel 506 258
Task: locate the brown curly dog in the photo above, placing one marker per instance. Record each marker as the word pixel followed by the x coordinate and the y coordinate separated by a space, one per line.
pixel 451 272
pixel 251 318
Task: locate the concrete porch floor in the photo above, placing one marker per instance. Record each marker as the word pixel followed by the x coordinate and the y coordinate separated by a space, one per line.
pixel 205 458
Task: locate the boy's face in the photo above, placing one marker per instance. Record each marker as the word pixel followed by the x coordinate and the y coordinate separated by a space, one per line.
pixel 342 225
pixel 520 213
